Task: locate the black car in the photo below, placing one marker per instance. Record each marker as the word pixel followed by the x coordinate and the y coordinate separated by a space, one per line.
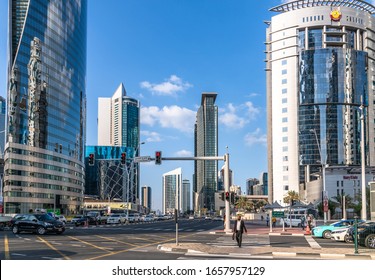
pixel 366 236
pixel 86 219
pixel 39 223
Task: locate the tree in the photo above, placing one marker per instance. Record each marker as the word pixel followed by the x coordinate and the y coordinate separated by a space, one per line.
pixel 292 195
pixel 241 203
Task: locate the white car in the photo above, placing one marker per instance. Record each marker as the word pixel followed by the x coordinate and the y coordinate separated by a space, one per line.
pixel 116 219
pixel 341 235
pixel 61 218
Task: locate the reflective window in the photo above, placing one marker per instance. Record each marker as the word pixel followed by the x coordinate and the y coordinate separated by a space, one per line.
pixel 315 39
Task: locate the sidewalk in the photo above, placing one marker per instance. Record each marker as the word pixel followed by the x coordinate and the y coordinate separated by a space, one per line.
pixel 267 251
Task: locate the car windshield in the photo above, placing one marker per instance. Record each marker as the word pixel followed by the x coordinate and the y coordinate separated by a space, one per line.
pixel 44 217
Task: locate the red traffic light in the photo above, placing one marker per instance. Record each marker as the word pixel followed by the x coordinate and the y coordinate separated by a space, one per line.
pixel 123 158
pixel 158 157
pixel 91 159
pixel 227 195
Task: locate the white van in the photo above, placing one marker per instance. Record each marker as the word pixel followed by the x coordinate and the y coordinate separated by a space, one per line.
pixel 294 219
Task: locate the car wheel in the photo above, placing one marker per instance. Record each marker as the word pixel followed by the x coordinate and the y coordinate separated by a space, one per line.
pixel 370 241
pixel 41 230
pixel 347 238
pixel 15 229
pixel 327 234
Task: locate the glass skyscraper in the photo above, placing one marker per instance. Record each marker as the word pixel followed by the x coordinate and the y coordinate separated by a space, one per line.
pixel 320 76
pixel 46 121
pixel 118 125
pixel 206 144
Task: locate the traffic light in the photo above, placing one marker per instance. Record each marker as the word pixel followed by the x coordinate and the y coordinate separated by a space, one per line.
pixel 222 196
pixel 123 158
pixel 158 157
pixel 227 196
pixel 91 159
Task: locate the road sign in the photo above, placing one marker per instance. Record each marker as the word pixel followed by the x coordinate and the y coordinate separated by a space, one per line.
pixel 278 214
pixel 142 159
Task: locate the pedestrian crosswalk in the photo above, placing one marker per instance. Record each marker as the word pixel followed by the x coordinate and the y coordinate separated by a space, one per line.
pixel 247 241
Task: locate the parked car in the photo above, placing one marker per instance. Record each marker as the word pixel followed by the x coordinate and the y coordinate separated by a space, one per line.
pixel 116 219
pixel 218 218
pixel 76 218
pixel 147 218
pixel 39 223
pixel 366 236
pixel 341 234
pixel 325 231
pixel 95 215
pixel 89 219
pixel 61 218
pixel 350 232
pixel 294 219
pixel 133 218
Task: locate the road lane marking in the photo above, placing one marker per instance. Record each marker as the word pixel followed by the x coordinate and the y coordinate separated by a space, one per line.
pixel 53 248
pixel 115 240
pixel 90 244
pixel 313 244
pixel 135 248
pixel 6 248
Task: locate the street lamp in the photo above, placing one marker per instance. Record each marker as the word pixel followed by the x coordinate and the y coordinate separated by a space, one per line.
pixel 363 168
pixel 323 163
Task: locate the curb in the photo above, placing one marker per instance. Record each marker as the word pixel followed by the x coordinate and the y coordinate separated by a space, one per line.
pixel 274 254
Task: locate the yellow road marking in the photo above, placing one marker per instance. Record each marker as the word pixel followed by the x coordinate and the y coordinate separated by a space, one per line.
pixel 112 239
pixel 6 248
pixel 90 244
pixel 138 247
pixel 53 248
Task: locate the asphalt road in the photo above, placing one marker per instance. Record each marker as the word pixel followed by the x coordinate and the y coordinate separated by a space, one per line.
pixel 132 242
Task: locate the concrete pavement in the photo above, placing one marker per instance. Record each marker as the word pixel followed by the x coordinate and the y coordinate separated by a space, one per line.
pixel 314 251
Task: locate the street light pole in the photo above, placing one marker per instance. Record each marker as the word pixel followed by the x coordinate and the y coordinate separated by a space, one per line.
pixel 363 168
pixel 323 163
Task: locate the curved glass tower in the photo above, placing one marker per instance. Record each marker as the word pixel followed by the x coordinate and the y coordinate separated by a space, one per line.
pixel 44 159
pixel 320 75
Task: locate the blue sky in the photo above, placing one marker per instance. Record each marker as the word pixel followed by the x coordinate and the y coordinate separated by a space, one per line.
pixel 166 53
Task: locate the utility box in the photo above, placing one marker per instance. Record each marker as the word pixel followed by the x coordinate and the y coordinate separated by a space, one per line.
pixel 372 200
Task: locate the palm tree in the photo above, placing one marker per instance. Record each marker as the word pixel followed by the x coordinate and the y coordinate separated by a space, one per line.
pixel 241 203
pixel 292 195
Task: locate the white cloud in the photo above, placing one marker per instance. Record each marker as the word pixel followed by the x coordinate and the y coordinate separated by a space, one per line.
pixel 255 138
pixel 252 111
pixel 231 116
pixel 151 136
pixel 183 153
pixel 176 117
pixel 170 87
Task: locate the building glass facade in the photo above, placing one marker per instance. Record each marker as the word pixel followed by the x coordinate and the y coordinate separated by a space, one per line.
pixel 206 144
pixel 320 63
pixel 46 105
pixel 107 178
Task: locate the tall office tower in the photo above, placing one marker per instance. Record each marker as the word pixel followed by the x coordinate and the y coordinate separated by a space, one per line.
pixel 250 183
pixel 2 125
pixel 146 197
pixel 171 196
pixel 44 157
pixel 118 125
pixel 320 69
pixel 206 144
pixel 185 196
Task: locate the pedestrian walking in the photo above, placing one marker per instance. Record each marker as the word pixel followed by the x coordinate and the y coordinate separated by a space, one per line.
pixel 273 221
pixel 238 229
pixel 303 222
pixel 268 219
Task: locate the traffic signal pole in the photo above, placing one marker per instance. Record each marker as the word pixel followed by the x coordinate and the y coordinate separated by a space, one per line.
pixel 226 189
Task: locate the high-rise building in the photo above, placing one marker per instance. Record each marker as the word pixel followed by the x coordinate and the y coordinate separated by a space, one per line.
pixel 2 125
pixel 320 70
pixel 185 196
pixel 146 197
pixel 171 196
pixel 118 120
pixel 118 125
pixel 46 122
pixel 206 144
